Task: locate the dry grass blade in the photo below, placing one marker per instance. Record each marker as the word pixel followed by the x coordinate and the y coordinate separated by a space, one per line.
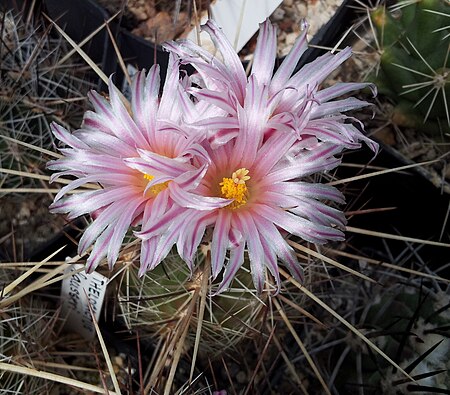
pixel 29 175
pixel 15 265
pixel 37 49
pixel 381 172
pixel 41 282
pixel 239 24
pixel 64 366
pixel 343 321
pixel 54 377
pixel 260 360
pixel 289 364
pixel 201 313
pixel 28 273
pixel 119 56
pixel 302 346
pixel 328 260
pixel 42 177
pixel 83 54
pixel 301 310
pixel 39 190
pixel 33 147
pixel 180 344
pixel 89 37
pixel 390 266
pixel 104 349
pixel 395 237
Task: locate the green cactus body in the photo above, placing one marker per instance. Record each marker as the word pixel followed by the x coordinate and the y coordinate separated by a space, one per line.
pixel 156 302
pixel 412 327
pixel 415 63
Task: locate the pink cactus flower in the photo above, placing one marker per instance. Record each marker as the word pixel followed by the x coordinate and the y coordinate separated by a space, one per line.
pixel 272 102
pixel 132 157
pixel 231 166
pixel 276 131
pixel 267 201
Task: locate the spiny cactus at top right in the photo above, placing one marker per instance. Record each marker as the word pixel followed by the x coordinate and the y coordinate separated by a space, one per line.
pixel 413 38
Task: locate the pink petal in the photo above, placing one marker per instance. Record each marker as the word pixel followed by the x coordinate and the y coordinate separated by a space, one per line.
pixel 198 202
pixel 219 99
pixel 154 164
pixel 302 189
pixel 273 237
pixel 220 241
pixel 271 152
pixel 342 88
pixel 337 106
pixel 100 249
pixel 265 52
pixel 298 226
pixel 231 59
pixel 309 162
pixel 160 226
pixel 128 213
pixel 233 265
pixel 255 249
pixel 105 143
pixel 105 218
pixel 66 137
pixel 192 235
pixel 123 119
pixel 286 69
pixel 145 100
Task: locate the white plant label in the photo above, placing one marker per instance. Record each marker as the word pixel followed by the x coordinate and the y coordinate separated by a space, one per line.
pixel 77 292
pixel 239 20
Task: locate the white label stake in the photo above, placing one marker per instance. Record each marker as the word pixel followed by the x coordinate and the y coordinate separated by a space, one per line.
pixel 75 303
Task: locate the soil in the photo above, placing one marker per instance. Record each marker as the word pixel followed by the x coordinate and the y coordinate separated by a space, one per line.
pixel 161 20
pixel 26 225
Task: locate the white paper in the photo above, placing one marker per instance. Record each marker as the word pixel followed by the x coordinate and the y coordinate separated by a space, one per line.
pixel 76 290
pixel 239 20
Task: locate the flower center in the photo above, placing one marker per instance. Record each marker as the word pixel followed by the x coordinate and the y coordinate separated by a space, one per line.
pixel 155 189
pixel 235 188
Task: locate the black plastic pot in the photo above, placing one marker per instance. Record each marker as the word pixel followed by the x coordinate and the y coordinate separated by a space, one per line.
pixel 81 17
pixel 413 208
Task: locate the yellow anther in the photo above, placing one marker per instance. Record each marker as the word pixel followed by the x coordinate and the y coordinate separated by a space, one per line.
pixel 155 189
pixel 235 188
pixel 240 176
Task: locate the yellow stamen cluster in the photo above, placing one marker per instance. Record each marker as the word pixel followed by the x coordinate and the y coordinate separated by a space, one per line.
pixel 240 176
pixel 235 188
pixel 155 189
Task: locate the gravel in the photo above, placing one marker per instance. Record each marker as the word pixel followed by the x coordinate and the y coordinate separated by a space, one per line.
pixel 159 21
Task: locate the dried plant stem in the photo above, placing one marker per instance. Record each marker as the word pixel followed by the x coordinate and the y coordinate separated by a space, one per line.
pixel 103 346
pixel 88 38
pixel 9 288
pixel 395 237
pixel 390 266
pixel 42 281
pixel 184 328
pixel 328 260
pixel 289 364
pixel 203 294
pixel 302 346
pixel 344 322
pixel 42 177
pixel 83 54
pixel 54 377
pixel 33 147
pixel 119 56
pixel 382 172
